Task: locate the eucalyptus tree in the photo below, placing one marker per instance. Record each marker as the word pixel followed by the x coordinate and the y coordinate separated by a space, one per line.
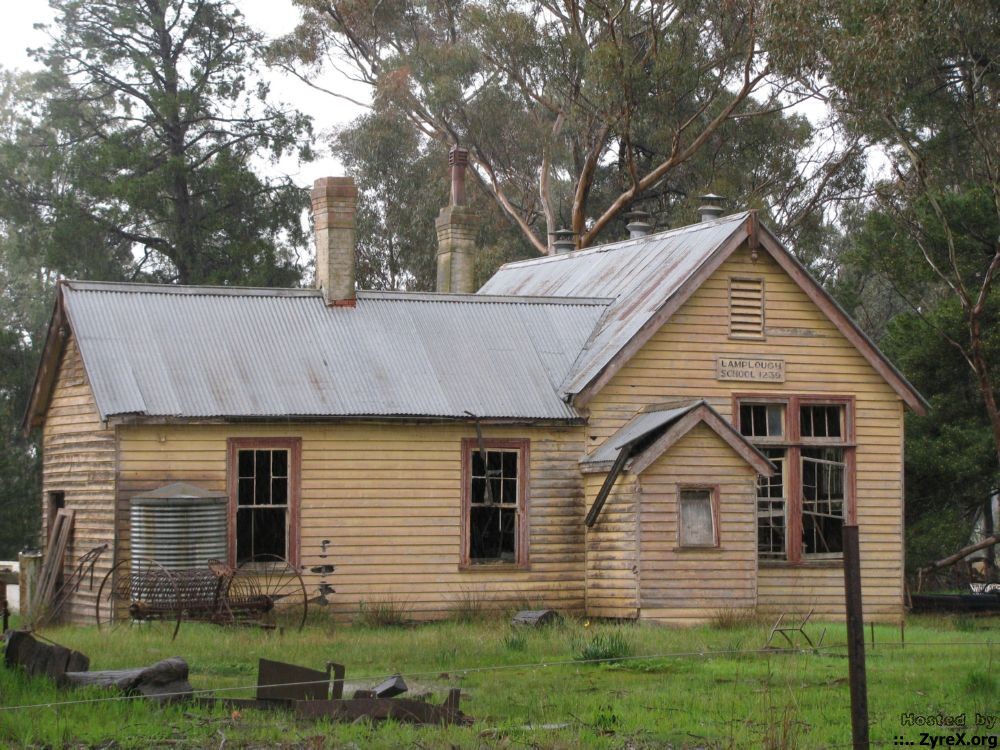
pixel 573 112
pixel 145 134
pixel 923 81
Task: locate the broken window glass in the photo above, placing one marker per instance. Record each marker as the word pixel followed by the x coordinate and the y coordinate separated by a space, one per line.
pixel 697 522
pixel 823 474
pixel 262 497
pixel 493 516
pixel 771 508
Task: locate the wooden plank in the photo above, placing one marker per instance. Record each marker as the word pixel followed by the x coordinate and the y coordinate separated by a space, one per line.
pixel 56 553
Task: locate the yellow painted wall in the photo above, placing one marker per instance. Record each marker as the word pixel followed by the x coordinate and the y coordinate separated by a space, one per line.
pixel 78 453
pixel 388 499
pixel 679 362
pixel 613 549
pixel 714 579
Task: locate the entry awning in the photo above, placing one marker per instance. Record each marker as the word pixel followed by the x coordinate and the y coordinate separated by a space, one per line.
pixel 652 432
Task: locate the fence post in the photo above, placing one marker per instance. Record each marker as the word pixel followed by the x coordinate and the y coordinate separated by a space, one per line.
pixel 30 561
pixel 855 639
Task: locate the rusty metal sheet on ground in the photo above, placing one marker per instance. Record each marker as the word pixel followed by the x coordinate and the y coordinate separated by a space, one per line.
pixel 279 681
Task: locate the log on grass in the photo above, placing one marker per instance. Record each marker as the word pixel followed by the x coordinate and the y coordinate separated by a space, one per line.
pixel 166 680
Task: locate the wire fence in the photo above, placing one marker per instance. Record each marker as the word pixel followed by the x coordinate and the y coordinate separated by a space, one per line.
pixel 527 666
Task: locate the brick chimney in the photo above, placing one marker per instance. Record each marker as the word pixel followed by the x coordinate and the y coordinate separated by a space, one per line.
pixel 457 226
pixel 334 204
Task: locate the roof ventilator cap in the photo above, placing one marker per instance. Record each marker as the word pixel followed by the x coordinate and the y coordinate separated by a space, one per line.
pixel 711 207
pixel 638 225
pixel 564 241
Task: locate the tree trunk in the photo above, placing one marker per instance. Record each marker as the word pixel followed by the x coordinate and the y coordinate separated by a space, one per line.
pixel 981 367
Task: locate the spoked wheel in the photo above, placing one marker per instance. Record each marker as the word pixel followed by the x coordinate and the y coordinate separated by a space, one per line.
pixel 268 591
pixel 140 593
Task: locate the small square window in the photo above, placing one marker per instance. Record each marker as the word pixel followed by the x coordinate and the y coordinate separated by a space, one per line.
pixel 697 518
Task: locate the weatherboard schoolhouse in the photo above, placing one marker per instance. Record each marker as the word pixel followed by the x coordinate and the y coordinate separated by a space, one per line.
pixel 659 428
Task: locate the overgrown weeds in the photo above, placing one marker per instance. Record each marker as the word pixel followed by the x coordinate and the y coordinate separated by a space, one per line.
pixel 384 612
pixel 735 619
pixel 608 647
pixel 472 605
pixel 515 640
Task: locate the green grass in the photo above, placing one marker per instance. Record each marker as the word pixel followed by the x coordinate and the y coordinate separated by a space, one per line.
pixel 711 696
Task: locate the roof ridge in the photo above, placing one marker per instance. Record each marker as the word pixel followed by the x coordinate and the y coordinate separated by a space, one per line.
pixel 620 244
pixel 126 287
pixel 505 299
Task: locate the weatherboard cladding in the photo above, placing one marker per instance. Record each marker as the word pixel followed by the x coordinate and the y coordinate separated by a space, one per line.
pixel 225 352
pixel 639 275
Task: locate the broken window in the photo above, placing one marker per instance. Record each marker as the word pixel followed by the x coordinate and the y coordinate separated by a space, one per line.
pixel 263 498
pixel 494 502
pixel 697 518
pixel 801 510
pixel 823 472
pixel 771 506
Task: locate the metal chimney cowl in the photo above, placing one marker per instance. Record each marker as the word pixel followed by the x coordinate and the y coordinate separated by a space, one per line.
pixel 712 206
pixel 638 225
pixel 564 242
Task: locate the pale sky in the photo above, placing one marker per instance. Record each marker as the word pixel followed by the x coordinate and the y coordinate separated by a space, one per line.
pixel 273 17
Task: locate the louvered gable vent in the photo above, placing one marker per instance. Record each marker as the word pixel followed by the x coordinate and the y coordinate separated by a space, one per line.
pixel 746 308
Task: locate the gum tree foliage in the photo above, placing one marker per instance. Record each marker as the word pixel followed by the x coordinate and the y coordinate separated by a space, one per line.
pixel 923 81
pixel 137 145
pixel 575 112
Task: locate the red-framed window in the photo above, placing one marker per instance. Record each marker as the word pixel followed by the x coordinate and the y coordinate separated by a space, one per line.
pixel 264 485
pixel 697 516
pixel 801 510
pixel 494 503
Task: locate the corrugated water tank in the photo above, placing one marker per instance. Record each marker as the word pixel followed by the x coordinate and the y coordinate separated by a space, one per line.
pixel 180 526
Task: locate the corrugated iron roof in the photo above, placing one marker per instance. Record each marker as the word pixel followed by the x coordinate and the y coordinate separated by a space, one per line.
pixel 637 428
pixel 640 275
pixel 229 352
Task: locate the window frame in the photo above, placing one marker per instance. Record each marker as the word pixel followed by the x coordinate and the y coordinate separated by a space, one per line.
pixel 470 445
pixel 793 445
pixel 294 448
pixel 713 498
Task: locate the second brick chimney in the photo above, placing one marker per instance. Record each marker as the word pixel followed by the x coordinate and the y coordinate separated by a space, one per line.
pixel 457 227
pixel 334 204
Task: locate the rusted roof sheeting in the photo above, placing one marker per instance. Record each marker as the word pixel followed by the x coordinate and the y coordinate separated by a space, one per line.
pixel 637 428
pixel 640 275
pixel 219 352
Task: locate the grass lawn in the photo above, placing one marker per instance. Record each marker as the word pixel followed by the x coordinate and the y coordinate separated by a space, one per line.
pixel 704 694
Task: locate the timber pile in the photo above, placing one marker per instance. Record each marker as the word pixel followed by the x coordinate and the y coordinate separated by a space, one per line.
pixel 166 680
pixel 42 659
pixel 282 686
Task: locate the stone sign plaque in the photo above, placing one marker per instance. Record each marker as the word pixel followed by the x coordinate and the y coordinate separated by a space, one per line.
pixel 753 369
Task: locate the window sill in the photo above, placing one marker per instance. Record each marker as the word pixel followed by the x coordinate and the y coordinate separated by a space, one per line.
pixel 837 562
pixel 492 567
pixel 698 548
